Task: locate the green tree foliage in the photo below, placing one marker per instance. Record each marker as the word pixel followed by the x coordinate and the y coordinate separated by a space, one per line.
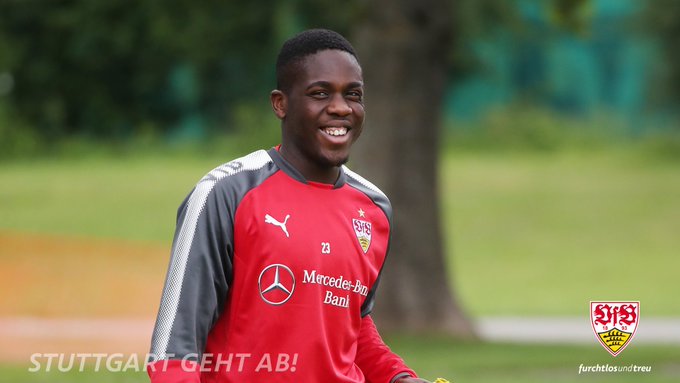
pixel 108 69
pixel 661 20
pixel 103 68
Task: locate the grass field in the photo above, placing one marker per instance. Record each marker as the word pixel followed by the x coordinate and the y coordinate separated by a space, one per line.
pixel 543 234
pixel 528 234
pixel 461 362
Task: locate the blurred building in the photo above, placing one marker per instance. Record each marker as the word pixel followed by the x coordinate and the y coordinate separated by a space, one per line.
pixel 595 60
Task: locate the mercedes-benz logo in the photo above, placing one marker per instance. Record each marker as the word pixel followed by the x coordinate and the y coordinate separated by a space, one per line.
pixel 276 284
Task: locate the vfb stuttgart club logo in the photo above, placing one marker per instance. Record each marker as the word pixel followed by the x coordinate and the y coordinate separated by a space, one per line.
pixel 362 229
pixel 614 323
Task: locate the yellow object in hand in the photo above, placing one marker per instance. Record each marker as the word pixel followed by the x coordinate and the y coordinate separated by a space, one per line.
pixel 441 380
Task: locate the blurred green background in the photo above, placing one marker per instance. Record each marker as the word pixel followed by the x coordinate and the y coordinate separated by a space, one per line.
pixel 560 173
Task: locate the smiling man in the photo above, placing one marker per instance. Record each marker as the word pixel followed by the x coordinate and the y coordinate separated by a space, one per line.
pixel 277 255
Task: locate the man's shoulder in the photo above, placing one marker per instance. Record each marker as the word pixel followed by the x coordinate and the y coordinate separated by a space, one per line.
pixel 233 179
pixel 367 187
pixel 355 179
pixel 254 161
pixel 227 184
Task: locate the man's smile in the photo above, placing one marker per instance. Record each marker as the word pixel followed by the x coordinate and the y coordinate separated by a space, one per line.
pixel 335 131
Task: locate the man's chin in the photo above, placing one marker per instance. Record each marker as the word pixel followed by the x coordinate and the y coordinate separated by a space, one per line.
pixel 339 161
pixel 334 159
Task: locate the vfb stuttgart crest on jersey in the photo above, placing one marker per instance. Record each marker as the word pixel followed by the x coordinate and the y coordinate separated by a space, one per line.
pixel 614 323
pixel 362 229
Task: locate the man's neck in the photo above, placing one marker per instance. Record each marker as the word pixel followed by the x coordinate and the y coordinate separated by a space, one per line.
pixel 311 172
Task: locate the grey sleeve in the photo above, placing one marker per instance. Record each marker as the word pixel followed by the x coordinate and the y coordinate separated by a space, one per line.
pixel 200 270
pixel 198 276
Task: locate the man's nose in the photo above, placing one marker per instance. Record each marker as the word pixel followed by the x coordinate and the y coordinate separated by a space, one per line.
pixel 339 106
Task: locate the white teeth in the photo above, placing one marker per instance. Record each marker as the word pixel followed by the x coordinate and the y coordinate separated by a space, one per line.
pixel 336 131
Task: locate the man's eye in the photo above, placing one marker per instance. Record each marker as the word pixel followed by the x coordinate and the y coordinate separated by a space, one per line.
pixel 319 94
pixel 354 95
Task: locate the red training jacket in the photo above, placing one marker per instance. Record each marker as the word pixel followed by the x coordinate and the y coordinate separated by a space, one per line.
pixel 272 279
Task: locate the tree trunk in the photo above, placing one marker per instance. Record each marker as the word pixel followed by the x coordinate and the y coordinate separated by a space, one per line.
pixel 403 47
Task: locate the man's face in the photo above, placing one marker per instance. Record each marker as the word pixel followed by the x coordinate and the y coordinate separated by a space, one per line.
pixel 324 112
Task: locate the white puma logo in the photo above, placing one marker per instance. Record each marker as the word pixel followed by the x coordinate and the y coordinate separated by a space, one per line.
pixel 269 219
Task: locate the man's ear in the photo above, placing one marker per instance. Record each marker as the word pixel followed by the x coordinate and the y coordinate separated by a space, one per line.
pixel 279 103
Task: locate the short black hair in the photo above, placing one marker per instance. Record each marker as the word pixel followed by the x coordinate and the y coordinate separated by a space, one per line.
pixel 306 43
